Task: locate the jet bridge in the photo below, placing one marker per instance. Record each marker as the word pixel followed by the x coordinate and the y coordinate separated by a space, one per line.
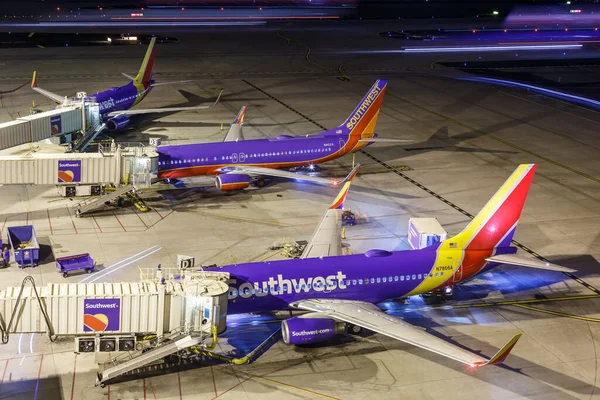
pixel 140 322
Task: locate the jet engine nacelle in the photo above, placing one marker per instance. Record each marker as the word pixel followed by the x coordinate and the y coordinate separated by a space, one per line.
pixel 117 123
pixel 301 330
pixel 227 182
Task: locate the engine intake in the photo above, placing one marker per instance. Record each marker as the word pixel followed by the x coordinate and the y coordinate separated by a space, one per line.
pixel 228 182
pixel 117 123
pixel 309 330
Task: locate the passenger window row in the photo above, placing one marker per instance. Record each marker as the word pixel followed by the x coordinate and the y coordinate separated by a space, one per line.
pixel 247 156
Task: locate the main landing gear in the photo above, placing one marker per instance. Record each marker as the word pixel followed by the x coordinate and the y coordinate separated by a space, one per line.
pixel 438 296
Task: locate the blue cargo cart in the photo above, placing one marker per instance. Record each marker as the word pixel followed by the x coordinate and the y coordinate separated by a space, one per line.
pixel 78 262
pixel 24 244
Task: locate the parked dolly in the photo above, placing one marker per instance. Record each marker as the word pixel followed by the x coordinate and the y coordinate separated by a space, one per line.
pixel 77 262
pixel 5 254
pixel 24 244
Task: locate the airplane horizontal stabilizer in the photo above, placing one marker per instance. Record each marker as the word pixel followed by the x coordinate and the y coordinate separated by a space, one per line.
pixel 384 140
pixel 169 83
pixel 524 261
pixel 127 76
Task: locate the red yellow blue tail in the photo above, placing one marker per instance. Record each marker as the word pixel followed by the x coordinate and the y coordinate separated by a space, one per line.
pixel 496 222
pixel 338 203
pixel 144 76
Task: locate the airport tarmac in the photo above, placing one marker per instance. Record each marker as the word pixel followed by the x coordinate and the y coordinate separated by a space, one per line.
pixel 468 138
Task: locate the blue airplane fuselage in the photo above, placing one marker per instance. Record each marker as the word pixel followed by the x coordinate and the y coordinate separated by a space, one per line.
pixel 372 277
pixel 284 152
pixel 119 98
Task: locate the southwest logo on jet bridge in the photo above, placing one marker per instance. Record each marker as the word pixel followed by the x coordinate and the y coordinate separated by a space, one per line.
pixel 107 320
pixel 69 171
pixel 363 107
pixel 279 285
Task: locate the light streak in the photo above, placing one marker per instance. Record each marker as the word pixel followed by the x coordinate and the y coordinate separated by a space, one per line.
pixel 549 92
pixel 124 265
pixel 485 48
pixel 119 262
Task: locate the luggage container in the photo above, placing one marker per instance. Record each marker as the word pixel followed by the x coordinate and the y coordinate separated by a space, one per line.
pixel 424 232
pixel 78 262
pixel 25 246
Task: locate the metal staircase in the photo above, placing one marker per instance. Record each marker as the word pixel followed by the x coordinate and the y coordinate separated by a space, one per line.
pixel 98 202
pixel 88 138
pixel 142 360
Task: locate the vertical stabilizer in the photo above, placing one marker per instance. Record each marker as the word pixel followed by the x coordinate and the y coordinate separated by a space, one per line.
pixel 144 76
pixel 361 123
pixel 496 222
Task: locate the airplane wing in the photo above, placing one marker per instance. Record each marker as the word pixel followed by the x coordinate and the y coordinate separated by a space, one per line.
pixel 162 110
pixel 371 317
pixel 530 262
pixel 251 170
pixel 57 98
pixel 234 134
pixel 327 239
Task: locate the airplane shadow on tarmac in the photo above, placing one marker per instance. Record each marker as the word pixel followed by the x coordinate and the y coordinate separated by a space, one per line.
pixel 42 388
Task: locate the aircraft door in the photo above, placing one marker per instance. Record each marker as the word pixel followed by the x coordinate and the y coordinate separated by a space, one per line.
pixel 234 158
pixel 242 157
pixel 457 277
pixel 342 143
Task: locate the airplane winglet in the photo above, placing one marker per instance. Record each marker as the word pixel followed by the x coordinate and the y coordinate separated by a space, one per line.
pixel 34 80
pixel 239 120
pixel 338 203
pixel 501 355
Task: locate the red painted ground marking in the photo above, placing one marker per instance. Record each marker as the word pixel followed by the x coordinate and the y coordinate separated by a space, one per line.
pixel 138 214
pixel 4 374
pixel 108 392
pixel 94 218
pixel 49 222
pixel 73 382
pixel 231 388
pixel 144 388
pixel 179 383
pixel 72 220
pixel 212 372
pixel 119 221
